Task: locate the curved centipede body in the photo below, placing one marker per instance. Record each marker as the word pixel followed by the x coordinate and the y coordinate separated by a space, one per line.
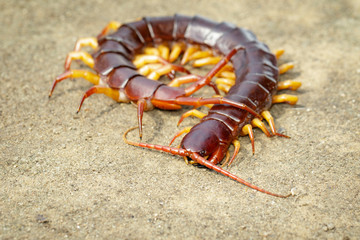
pixel 123 58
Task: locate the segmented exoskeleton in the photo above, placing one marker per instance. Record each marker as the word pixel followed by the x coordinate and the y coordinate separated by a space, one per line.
pixel 250 83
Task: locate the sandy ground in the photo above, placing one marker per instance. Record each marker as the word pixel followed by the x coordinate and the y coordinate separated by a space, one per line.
pixel 71 176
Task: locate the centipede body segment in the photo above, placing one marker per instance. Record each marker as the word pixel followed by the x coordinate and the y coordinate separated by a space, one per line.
pixel 130 58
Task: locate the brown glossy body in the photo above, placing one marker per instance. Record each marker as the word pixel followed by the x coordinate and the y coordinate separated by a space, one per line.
pixel 256 81
pixel 256 74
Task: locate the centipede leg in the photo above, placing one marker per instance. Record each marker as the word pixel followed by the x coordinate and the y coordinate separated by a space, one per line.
pixel 206 61
pixel 176 50
pixel 148 68
pixel 289 84
pixel 236 144
pixel 230 75
pixel 224 84
pixel 227 157
pixel 74 73
pixel 178 134
pixel 177 82
pixel 200 55
pixel 197 102
pixel 142 60
pixel 285 98
pixel 188 52
pixel 164 51
pixel 285 67
pixel 141 105
pixel 247 130
pixel 193 112
pixel 111 26
pixel 89 41
pixel 278 53
pixel 110 92
pixel 151 51
pixel 166 69
pixel 197 85
pixel 258 123
pixel 83 56
pixel 270 120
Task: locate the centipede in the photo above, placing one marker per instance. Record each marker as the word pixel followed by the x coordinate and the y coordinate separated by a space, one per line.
pixel 129 59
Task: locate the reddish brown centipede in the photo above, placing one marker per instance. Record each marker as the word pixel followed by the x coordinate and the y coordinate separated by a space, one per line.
pixel 250 85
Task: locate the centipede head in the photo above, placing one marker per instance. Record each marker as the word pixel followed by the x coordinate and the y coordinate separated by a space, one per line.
pixel 205 143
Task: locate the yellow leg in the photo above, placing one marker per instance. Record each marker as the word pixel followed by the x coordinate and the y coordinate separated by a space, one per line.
pixel 226 159
pixel 148 68
pixel 270 120
pixel 164 51
pixel 278 53
pixel 206 61
pixel 247 130
pixel 151 51
pixel 142 59
pixel 285 67
pixel 112 26
pixel 178 134
pixel 259 124
pixel 176 50
pixel 110 92
pixel 177 82
pixel 82 42
pixel 289 84
pixel 285 98
pixel 223 87
pixel 194 113
pixel 224 84
pixel 225 81
pixel 200 54
pixel 226 68
pixel 227 74
pixel 236 144
pixel 188 52
pixel 87 75
pixel 83 56
pixel 157 73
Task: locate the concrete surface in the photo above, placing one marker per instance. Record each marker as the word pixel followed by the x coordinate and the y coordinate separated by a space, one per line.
pixel 71 176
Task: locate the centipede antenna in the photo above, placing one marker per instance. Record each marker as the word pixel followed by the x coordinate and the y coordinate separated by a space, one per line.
pixel 200 160
pixel 172 150
pixel 218 169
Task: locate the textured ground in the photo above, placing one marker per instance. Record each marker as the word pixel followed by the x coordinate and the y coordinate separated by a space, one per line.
pixel 64 175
